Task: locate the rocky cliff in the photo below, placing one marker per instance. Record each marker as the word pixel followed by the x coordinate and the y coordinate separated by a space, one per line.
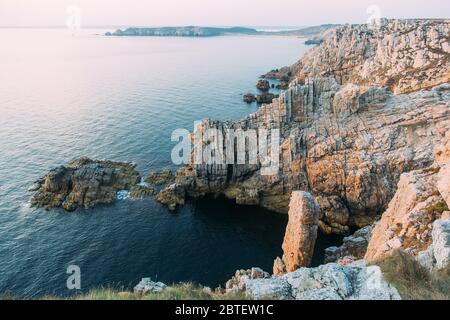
pixel 364 107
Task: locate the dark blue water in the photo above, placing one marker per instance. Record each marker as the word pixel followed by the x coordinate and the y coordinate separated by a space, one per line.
pixel 63 96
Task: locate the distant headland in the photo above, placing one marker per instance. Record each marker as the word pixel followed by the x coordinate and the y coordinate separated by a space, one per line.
pixel 195 31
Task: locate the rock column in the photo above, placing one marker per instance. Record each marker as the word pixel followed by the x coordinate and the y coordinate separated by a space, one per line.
pixel 301 233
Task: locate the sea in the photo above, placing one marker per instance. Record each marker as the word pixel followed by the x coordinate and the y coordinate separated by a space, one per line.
pixel 66 94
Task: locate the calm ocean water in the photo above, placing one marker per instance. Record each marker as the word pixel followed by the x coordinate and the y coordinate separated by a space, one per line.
pixel 63 96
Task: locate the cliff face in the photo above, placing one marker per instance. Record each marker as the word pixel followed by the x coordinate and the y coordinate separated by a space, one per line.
pixel 353 120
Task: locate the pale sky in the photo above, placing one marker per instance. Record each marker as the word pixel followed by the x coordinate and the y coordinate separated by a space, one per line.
pixel 213 12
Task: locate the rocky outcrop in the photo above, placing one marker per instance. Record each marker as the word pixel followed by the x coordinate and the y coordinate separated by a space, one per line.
pixel 353 248
pixel 263 85
pixel 265 98
pixel 172 196
pixel 146 285
pixel 249 98
pixel 409 220
pixel 441 242
pixel 159 178
pixel 84 183
pixel 327 282
pixel 364 107
pixel 301 233
pixel 237 283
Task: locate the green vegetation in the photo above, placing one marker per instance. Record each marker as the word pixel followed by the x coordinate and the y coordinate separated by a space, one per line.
pixel 414 282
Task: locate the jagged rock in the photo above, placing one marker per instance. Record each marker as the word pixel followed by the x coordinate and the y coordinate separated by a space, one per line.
pixel 237 283
pixel 263 85
pixel 283 85
pixel 301 232
pixel 359 157
pixel 353 248
pixel 426 259
pixel 146 285
pixel 327 282
pixel 334 215
pixel 346 100
pixel 160 177
pixel 249 98
pixel 172 196
pixel 266 98
pixel 141 191
pixel 279 267
pixel 441 243
pixel 408 222
pixel 84 183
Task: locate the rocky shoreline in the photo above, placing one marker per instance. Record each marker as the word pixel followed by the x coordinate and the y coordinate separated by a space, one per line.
pixel 84 183
pixel 365 145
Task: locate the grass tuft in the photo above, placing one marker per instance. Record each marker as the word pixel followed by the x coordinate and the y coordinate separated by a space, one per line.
pixel 412 281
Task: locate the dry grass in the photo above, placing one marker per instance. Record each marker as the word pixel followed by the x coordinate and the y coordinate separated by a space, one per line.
pixel 184 291
pixel 413 281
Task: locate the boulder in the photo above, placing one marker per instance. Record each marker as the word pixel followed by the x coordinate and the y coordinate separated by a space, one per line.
pixel 249 98
pixel 353 248
pixel 441 243
pixel 146 285
pixel 356 281
pixel 263 85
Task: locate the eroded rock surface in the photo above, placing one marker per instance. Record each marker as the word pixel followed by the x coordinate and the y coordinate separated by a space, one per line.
pixel 419 201
pixel 301 232
pixel 364 107
pixel 84 183
pixel 327 282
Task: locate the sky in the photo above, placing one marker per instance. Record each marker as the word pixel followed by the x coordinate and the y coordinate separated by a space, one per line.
pixel 213 12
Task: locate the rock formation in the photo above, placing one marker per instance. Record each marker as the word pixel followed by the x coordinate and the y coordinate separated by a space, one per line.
pixel 249 98
pixel 84 183
pixel 159 178
pixel 362 108
pixel 408 223
pixel 263 85
pixel 327 282
pixel 301 233
pixel 354 247
pixel 146 285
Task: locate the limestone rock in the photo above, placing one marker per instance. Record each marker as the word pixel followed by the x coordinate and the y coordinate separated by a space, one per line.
pixel 327 282
pixel 353 248
pixel 301 231
pixel 408 222
pixel 84 183
pixel 441 243
pixel 146 285
pixel 392 113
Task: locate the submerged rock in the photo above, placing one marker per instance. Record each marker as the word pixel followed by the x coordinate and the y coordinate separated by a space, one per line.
pixel 84 183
